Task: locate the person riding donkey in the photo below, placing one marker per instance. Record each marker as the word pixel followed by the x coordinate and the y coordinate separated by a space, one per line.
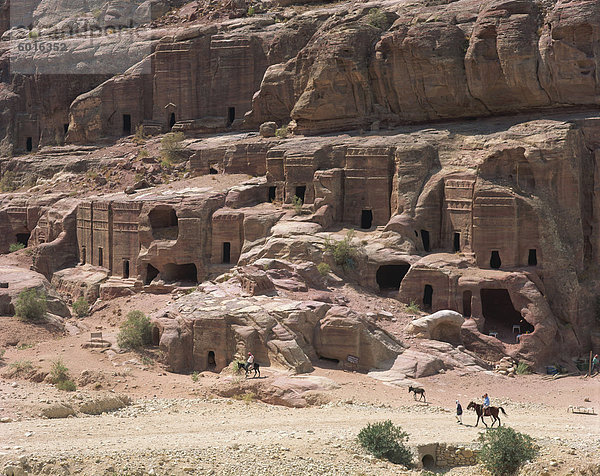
pixel 250 361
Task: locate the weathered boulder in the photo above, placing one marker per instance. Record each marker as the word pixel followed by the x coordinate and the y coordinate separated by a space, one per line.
pixel 267 129
pixel 441 325
pixel 58 410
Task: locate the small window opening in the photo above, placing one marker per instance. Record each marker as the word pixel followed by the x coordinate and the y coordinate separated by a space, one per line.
pixel 23 238
pixel 532 258
pixel 127 124
pixel 272 193
pixel 29 144
pixel 300 192
pixel 213 171
pixel 230 115
pixel 83 255
pixel 211 363
pixel 172 120
pixel 125 268
pixel 66 128
pixel 226 252
pixel 425 239
pixel 151 273
pixel 467 295
pixel 100 257
pixel 456 242
pixel 495 261
pixel 428 296
pixel 366 219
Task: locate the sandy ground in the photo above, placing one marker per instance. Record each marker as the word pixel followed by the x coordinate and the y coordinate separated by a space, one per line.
pixel 180 426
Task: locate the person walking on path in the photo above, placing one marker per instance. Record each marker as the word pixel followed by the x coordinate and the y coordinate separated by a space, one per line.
pixel 459 412
pixel 595 365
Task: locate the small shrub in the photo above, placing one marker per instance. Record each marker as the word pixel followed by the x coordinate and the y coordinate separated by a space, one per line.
pixel 24 346
pixel 8 182
pixel 377 18
pixel 504 450
pixel 171 148
pixel 385 440
pixel 413 307
pixel 31 305
pixel 81 308
pixel 195 376
pixel 143 154
pixel 297 204
pixel 522 369
pixel 66 385
pixel 15 247
pixel 250 12
pixel 324 269
pixel 21 366
pixel 140 137
pixel 135 332
pixel 345 254
pixel 281 132
pixel 58 372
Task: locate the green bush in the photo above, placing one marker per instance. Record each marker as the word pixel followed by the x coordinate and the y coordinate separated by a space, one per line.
pixel 413 307
pixel 135 332
pixel 66 385
pixel 195 377
pixel 8 182
pixel 171 147
pixel 385 440
pixel 58 372
pixel 15 247
pixel 81 307
pixel 297 204
pixel 250 11
pixel 504 450
pixel 377 18
pixel 281 132
pixel 324 269
pixel 345 254
pixel 522 369
pixel 31 305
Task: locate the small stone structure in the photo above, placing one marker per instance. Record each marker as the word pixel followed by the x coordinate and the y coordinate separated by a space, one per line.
pixel 442 455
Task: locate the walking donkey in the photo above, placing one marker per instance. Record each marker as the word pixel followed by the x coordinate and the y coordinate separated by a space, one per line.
pixel 417 391
pixel 489 411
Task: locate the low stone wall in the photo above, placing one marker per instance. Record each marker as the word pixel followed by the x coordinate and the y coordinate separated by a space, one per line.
pixel 442 455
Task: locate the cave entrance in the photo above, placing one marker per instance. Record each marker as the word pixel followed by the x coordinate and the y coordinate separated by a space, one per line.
pixel 155 336
pixel 428 462
pixel 180 272
pixel 23 238
pixel 456 246
pixel 226 252
pixel 211 362
pixel 126 268
pixel 366 219
pixel 272 194
pixel 66 128
pixel 126 124
pixel 467 296
pixel 425 239
pixel 151 273
pixel 300 192
pixel 532 258
pixel 213 171
pixel 230 115
pixel 100 256
pixel 500 315
pixel 389 276
pixel 427 297
pixel 83 254
pixel 164 223
pixel 172 120
pixel 29 144
pixel 495 260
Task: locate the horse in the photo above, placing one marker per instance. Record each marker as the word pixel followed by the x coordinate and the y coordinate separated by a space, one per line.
pixel 489 411
pixel 247 368
pixel 417 390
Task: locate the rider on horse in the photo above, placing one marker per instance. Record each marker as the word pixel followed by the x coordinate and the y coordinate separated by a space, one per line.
pixel 250 361
pixel 486 404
